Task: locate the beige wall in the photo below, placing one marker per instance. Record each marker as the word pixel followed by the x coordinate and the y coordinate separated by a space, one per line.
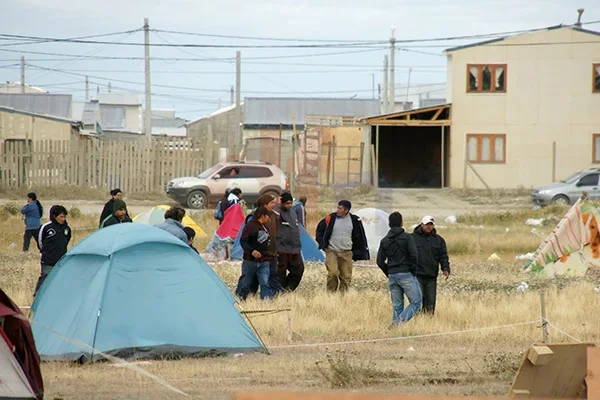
pixel 549 98
pixel 21 126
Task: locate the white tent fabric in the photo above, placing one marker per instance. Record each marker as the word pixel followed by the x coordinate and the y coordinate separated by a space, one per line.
pixel 376 226
pixel 13 382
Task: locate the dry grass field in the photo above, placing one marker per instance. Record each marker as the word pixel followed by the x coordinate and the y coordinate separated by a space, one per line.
pixel 466 349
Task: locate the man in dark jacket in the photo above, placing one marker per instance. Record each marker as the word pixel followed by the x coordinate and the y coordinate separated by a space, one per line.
pixel 433 254
pixel 109 207
pixel 291 265
pixel 53 239
pixel 255 241
pixel 397 258
pixel 342 236
pixel 119 216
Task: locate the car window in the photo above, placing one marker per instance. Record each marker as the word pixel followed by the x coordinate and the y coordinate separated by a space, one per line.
pixel 225 173
pixel 255 172
pixel 589 180
pixel 573 178
pixel 209 172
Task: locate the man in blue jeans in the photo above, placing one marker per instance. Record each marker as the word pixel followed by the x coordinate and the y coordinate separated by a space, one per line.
pixel 398 259
pixel 255 241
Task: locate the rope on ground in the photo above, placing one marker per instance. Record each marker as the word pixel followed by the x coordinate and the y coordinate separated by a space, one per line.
pixel 114 359
pixel 563 332
pixel 429 335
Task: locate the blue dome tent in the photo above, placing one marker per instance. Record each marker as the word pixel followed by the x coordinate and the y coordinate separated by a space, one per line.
pixel 136 291
pixel 310 249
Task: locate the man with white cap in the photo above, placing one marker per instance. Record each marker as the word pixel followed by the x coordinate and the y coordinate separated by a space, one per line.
pixel 433 255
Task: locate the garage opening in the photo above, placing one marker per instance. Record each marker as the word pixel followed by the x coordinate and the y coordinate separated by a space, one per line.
pixel 412 148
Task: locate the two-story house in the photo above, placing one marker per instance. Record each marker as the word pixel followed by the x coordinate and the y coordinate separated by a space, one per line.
pixel 523 111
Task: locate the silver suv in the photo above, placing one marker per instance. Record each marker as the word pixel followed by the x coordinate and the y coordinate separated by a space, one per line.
pixel 253 178
pixel 570 189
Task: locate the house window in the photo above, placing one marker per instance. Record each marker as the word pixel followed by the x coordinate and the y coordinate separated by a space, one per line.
pixel 596 148
pixel 486 148
pixel 486 78
pixel 596 79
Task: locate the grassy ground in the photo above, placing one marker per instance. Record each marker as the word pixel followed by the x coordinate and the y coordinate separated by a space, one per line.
pixel 479 294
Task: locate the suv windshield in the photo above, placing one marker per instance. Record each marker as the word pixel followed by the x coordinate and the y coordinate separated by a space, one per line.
pixel 209 172
pixel 572 178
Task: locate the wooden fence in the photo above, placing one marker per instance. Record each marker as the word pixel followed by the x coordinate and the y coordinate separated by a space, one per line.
pixel 139 166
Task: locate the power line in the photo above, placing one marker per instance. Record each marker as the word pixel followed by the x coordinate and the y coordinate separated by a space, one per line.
pixel 282 72
pixel 222 59
pixel 4 36
pixel 73 38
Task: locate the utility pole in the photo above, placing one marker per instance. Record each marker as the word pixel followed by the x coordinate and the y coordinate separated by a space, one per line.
pixel 109 87
pixel 385 85
pixel 238 97
pixel 392 98
pixel 408 86
pixel 22 74
pixel 87 89
pixel 148 112
pixel 373 84
pixel 231 95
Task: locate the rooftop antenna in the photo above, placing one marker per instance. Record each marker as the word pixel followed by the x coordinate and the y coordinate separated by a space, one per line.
pixel 580 12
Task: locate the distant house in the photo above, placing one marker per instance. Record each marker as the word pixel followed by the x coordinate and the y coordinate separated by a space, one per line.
pixel 121 115
pixel 17 88
pixel 56 105
pixel 165 123
pixel 522 111
pixel 89 114
pixel 28 127
pixel 267 117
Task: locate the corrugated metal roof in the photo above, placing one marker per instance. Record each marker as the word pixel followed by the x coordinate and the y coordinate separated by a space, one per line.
pixel 57 105
pixel 275 111
pixel 45 116
pixel 120 99
pixel 168 122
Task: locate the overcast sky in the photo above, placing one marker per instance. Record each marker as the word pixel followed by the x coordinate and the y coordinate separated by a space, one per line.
pixel 208 81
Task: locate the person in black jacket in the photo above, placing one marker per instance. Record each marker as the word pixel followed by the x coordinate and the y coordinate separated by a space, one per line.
pixel 109 207
pixel 53 240
pixel 342 236
pixel 119 216
pixel 433 254
pixel 255 241
pixel 397 257
pixel 191 235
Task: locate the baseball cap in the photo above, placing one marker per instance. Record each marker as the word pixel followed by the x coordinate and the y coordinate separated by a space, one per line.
pixel 428 219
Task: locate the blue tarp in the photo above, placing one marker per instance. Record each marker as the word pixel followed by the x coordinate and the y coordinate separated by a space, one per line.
pixel 135 291
pixel 310 249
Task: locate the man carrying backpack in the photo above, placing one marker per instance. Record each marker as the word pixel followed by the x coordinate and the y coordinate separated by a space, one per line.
pixel 343 238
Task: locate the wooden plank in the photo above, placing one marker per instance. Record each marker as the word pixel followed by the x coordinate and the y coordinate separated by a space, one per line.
pixel 437 114
pixel 539 355
pixel 562 377
pixel 593 373
pixel 519 394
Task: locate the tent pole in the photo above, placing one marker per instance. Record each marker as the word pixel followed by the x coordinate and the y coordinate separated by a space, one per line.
pixel 95 333
pixel 253 328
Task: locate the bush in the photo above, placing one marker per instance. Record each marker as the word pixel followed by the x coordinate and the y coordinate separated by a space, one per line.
pixel 340 370
pixel 75 213
pixel 12 208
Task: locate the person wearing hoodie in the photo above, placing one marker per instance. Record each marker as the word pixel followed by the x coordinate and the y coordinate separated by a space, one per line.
pixel 255 241
pixel 109 207
pixel 119 215
pixel 397 258
pixel 53 240
pixel 300 210
pixel 173 225
pixel 342 236
pixel 289 257
pixel 433 255
pixel 32 212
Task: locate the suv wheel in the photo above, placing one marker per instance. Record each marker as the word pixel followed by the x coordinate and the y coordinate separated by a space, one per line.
pixel 197 200
pixel 560 199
